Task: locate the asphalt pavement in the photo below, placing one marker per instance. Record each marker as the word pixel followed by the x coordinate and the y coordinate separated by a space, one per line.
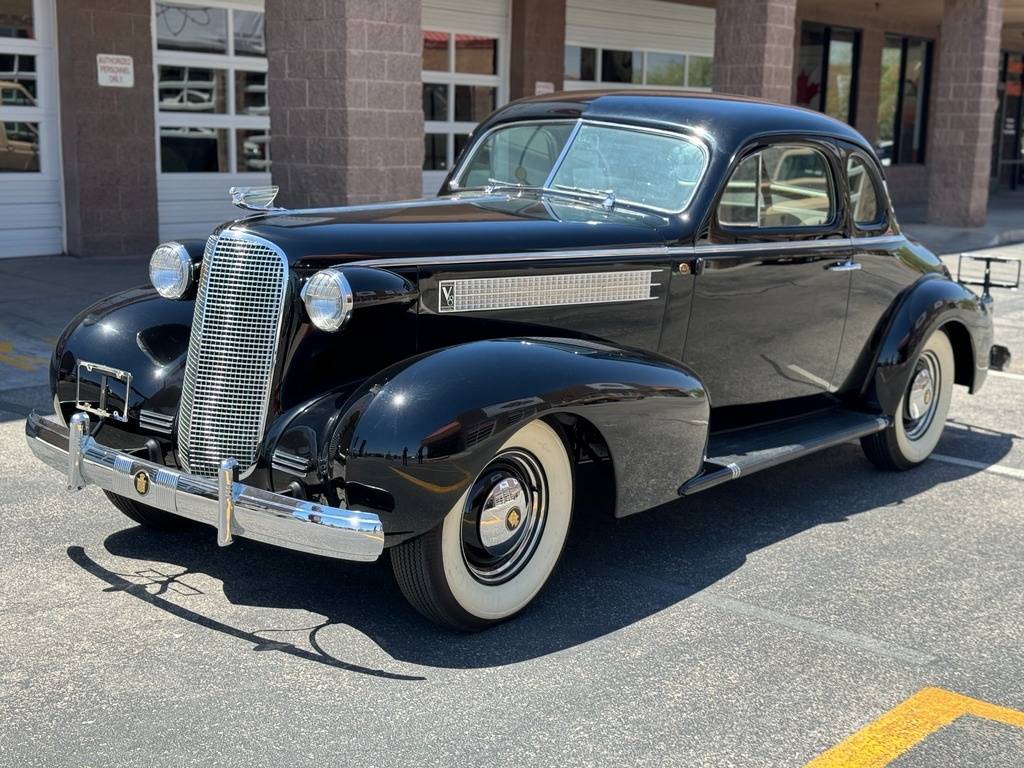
pixel 821 611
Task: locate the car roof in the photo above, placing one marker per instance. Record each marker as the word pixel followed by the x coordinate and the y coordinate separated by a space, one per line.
pixel 729 121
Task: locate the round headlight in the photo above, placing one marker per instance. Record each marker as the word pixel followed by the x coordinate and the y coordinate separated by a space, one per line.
pixel 328 299
pixel 170 270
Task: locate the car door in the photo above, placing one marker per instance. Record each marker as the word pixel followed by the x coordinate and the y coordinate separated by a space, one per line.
pixel 773 277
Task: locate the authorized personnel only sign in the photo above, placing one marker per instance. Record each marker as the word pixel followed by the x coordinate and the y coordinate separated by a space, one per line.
pixel 115 71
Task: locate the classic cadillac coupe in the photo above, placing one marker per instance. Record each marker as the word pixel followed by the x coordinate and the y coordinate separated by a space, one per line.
pixel 646 294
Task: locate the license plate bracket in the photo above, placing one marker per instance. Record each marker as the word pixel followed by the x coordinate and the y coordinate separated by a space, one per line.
pixel 106 375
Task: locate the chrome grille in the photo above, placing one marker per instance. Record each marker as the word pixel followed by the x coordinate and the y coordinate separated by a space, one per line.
pixel 231 352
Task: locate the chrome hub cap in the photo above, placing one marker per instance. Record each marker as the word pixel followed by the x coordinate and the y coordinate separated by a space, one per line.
pixel 922 395
pixel 504 517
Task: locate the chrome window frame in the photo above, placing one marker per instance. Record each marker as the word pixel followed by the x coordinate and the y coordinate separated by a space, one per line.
pixel 454 186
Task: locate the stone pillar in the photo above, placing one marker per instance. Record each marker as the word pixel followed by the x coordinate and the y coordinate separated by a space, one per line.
pixel 754 48
pixel 960 153
pixel 346 114
pixel 537 46
pixel 107 133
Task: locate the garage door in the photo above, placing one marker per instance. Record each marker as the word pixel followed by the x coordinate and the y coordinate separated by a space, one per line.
pixel 31 217
pixel 211 110
pixel 465 76
pixel 640 44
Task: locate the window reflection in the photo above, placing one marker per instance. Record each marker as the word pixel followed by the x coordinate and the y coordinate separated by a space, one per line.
pixel 474 102
pixel 825 71
pixel 250 37
pixel 698 71
pixel 19 147
pixel 580 63
pixel 435 153
pixel 191 28
pixel 903 100
pixel 666 69
pixel 863 198
pixel 621 66
pixel 16 19
pixel 193 150
pixel 475 54
pixel 251 93
pixel 435 51
pixel 18 80
pixel 192 89
pixel 435 101
pixel 253 149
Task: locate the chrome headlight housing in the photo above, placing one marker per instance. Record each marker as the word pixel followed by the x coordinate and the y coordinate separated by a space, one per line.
pixel 328 299
pixel 170 270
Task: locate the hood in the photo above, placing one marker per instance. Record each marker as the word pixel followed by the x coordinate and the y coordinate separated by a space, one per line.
pixel 456 225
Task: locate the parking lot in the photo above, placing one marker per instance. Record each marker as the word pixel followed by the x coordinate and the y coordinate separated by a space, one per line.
pixel 820 611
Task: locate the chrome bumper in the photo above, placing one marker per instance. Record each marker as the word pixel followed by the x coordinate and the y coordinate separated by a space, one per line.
pixel 233 508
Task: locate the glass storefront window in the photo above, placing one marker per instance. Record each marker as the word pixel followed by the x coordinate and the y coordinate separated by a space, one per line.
pixel 16 19
pixel 698 71
pixel 253 149
pixel 474 102
pixel 435 152
pixel 435 101
pixel 903 100
pixel 193 150
pixel 622 66
pixel 192 89
pixel 191 28
pixel 580 63
pixel 251 93
pixel 435 51
pixel 19 147
pixel 18 80
pixel 666 69
pixel 250 36
pixel 476 55
pixel 826 70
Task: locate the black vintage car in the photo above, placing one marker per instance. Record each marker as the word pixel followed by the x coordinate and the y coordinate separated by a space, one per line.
pixel 637 295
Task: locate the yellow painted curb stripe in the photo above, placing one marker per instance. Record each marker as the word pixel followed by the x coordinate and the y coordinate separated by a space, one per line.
pixel 882 741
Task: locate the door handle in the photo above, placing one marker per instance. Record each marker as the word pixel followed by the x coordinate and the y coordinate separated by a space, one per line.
pixel 844 266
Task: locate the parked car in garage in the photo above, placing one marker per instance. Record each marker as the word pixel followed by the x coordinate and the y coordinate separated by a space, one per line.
pixel 646 293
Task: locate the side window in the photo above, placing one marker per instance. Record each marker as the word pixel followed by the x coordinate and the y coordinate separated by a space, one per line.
pixel 863 195
pixel 786 185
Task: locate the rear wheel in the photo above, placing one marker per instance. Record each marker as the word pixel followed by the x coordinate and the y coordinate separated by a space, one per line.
pixel 921 414
pixel 496 548
pixel 150 517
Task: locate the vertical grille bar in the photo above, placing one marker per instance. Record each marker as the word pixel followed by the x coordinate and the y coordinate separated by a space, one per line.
pixel 231 352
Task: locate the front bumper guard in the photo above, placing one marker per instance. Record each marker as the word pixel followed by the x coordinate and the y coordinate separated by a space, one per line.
pixel 233 508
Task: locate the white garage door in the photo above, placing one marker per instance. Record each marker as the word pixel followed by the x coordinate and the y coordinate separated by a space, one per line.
pixel 639 44
pixel 213 122
pixel 31 214
pixel 465 76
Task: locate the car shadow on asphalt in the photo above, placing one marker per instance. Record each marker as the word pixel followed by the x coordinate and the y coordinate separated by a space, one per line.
pixel 613 573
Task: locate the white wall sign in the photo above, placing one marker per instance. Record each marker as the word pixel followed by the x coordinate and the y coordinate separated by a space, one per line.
pixel 113 71
pixel 540 87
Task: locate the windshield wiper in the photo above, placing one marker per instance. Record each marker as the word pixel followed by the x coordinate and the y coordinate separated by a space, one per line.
pixel 606 197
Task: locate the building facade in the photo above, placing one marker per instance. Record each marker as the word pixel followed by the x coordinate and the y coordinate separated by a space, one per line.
pixel 124 122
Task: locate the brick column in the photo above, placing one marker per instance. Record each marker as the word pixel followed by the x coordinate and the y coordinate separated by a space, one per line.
pixel 537 46
pixel 754 48
pixel 107 134
pixel 960 154
pixel 346 114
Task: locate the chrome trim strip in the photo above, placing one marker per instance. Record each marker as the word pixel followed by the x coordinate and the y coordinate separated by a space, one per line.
pixel 254 513
pixel 775 245
pixel 878 240
pixel 490 258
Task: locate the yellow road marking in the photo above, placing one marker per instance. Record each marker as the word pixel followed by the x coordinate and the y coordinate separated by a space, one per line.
pixel 880 742
pixel 21 362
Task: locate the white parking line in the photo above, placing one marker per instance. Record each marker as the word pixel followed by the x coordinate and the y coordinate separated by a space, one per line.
pixel 1007 375
pixel 995 469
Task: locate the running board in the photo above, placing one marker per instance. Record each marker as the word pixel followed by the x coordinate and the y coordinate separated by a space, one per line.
pixel 746 451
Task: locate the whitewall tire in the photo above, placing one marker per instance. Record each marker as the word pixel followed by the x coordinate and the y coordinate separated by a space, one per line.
pixel 921 414
pixel 495 550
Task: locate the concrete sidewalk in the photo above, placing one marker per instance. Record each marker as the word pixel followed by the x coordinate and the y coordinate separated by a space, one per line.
pixel 1005 225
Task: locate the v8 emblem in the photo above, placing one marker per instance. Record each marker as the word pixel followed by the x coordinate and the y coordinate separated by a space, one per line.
pixel 446 297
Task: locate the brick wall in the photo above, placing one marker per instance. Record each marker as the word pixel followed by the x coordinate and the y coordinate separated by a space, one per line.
pixel 963 112
pixel 107 134
pixel 345 100
pixel 537 45
pixel 754 48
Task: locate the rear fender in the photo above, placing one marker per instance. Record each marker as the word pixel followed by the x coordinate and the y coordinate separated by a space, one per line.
pixel 412 439
pixel 930 303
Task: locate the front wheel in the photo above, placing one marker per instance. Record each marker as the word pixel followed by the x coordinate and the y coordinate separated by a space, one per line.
pixel 494 551
pixel 921 414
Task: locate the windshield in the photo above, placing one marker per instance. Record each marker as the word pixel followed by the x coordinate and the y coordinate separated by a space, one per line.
pixel 632 166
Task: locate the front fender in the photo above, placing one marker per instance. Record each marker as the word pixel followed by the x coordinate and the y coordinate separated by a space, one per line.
pixel 413 438
pixel 931 302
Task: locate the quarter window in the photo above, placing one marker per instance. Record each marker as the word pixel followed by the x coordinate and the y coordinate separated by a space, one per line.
pixel 786 185
pixel 863 197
